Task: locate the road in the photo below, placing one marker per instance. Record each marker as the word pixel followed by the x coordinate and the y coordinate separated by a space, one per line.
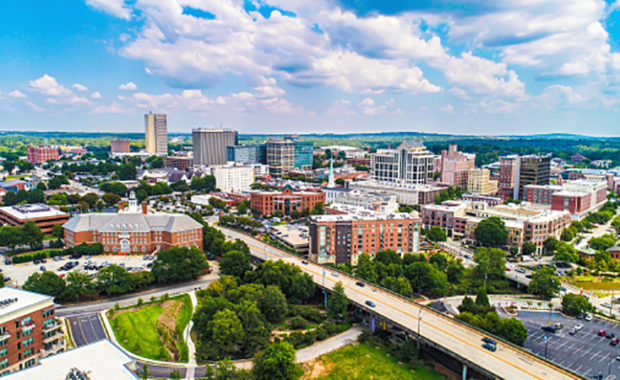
pixel 86 329
pixel 508 362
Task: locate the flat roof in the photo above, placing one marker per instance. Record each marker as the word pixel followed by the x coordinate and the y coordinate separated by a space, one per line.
pixel 12 300
pixel 32 211
pixel 293 235
pixel 101 360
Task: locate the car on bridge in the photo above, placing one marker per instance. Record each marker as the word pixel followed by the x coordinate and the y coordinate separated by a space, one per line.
pixel 489 340
pixel 370 303
pixel 360 284
pixel 489 346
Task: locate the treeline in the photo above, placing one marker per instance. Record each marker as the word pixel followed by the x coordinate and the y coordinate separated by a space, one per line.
pixel 172 265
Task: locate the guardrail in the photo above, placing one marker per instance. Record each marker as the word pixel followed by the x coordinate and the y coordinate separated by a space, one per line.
pixel 475 329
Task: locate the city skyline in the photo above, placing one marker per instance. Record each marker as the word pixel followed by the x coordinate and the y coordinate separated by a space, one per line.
pixel 344 66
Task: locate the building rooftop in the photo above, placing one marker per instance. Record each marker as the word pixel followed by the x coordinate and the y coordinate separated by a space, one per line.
pixel 32 211
pixel 294 236
pixel 13 301
pixel 352 213
pixel 101 360
pixel 131 222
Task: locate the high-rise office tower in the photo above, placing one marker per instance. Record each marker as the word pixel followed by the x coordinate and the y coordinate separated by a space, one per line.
pixel 156 133
pixel 410 163
pixel 534 170
pixel 283 155
pixel 210 145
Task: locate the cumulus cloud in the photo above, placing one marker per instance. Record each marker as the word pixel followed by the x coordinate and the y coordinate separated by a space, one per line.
pixel 80 87
pixel 116 8
pixel 57 93
pixel 448 108
pixel 129 86
pixel 17 94
pixel 95 95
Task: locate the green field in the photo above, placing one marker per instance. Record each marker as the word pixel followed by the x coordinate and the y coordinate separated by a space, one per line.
pixel 365 361
pixel 137 330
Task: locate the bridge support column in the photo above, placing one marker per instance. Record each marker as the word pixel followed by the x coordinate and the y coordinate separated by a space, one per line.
pixel 325 296
pixel 372 324
pixel 464 372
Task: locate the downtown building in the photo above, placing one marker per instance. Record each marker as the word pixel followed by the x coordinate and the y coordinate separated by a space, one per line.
pixel 119 147
pixel 285 201
pixel 516 172
pixel 406 194
pixel 133 230
pixel 479 182
pixel 288 153
pixel 156 133
pixel 248 154
pixel 210 145
pixel 29 330
pixel 410 163
pixel 43 153
pixel 455 166
pixel 349 231
pixel 236 177
pixel 44 216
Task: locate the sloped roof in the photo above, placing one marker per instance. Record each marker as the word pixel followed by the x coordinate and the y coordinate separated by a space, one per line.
pixel 131 222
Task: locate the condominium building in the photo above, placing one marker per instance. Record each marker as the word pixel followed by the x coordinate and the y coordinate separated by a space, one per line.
pixel 378 202
pixel 119 146
pixel 479 182
pixel 508 176
pixel 540 194
pixel 580 197
pixel 133 230
pixel 44 216
pixel 156 133
pixel 43 153
pixel 455 166
pixel 410 163
pixel 29 330
pixel 210 145
pixel 178 162
pixel 235 177
pixel 286 201
pixel 341 237
pixel 283 155
pixel 450 216
pixel 251 153
pixel 534 170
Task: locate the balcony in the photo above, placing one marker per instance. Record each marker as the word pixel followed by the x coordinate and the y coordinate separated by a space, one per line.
pixel 52 326
pixel 52 349
pixel 28 325
pixel 52 338
pixel 5 335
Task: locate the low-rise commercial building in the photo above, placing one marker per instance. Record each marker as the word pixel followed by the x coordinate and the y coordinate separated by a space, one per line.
pixel 43 215
pixel 580 197
pixel 178 162
pixel 450 216
pixel 286 201
pixel 340 238
pixel 490 200
pixel 293 236
pixel 133 230
pixel 540 194
pixel 29 330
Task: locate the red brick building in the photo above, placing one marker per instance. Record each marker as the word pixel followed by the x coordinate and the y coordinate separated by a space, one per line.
pixel 266 202
pixel 43 215
pixel 28 329
pixel 180 163
pixel 450 216
pixel 119 146
pixel 43 153
pixel 133 230
pixel 540 194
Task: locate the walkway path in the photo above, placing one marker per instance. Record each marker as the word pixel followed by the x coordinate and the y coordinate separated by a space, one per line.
pixel 191 347
pixel 328 345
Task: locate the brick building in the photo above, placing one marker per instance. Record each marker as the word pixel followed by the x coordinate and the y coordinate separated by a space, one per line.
pixel 580 197
pixel 450 216
pixel 180 163
pixel 455 166
pixel 341 238
pixel 43 153
pixel 43 215
pixel 28 329
pixel 119 146
pixel 133 230
pixel 286 201
pixel 540 194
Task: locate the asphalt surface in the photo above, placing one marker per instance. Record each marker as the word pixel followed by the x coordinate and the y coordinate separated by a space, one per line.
pixel 86 329
pixel 585 352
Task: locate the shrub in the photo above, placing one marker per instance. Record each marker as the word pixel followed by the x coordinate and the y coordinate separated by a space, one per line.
pixel 298 323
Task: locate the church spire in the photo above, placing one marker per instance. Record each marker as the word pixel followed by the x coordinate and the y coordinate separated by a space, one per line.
pixel 331 182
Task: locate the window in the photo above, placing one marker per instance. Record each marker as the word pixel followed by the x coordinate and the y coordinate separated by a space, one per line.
pixel 28 342
pixel 4 363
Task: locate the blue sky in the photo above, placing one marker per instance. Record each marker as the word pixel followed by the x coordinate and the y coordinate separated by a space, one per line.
pixel 276 66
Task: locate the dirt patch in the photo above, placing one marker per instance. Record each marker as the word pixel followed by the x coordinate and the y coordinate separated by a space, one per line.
pixel 317 369
pixel 166 326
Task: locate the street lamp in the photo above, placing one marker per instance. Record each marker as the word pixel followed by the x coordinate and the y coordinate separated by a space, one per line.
pixel 419 320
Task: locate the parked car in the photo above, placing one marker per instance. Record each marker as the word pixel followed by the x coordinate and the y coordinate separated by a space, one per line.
pixel 606 305
pixel 304 262
pixel 370 303
pixel 550 329
pixel 578 326
pixel 610 335
pixel 572 331
pixel 489 346
pixel 580 316
pixel 614 342
pixel 602 333
pixel 42 268
pixel 507 269
pixel 335 274
pixel 489 340
pixel 519 270
pixel 588 317
pixel 360 284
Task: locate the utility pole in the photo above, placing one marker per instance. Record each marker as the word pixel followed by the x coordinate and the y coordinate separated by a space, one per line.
pixel 419 320
pixel 546 344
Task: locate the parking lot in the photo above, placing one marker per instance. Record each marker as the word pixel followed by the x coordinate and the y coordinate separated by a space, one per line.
pixel 585 352
pixel 19 273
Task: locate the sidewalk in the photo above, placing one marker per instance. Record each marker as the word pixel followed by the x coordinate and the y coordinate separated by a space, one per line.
pixel 328 345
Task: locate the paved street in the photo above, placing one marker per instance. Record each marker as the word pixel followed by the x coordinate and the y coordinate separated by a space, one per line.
pixel 86 329
pixel 585 352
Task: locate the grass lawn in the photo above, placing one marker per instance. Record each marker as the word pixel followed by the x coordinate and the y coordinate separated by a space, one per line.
pixel 138 332
pixel 595 283
pixel 365 361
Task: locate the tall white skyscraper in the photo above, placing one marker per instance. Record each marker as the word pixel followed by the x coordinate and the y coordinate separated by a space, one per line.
pixel 156 133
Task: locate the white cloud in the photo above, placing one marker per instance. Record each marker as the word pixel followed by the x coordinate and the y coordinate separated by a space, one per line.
pixel 57 93
pixel 448 108
pixel 80 87
pixel 113 108
pixel 130 86
pixel 17 94
pixel 116 8
pixel 95 95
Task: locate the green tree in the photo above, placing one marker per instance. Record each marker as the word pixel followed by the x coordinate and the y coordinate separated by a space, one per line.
pixel 366 268
pixel 273 304
pixel 426 279
pixel 175 375
pixel 46 283
pixel 235 263
pixel 436 233
pixel 126 171
pixel 111 199
pixel 491 263
pixel 338 303
pixel 544 283
pixel 57 181
pixel 491 232
pixel 145 373
pixel 278 361
pixel 528 248
pixel 181 186
pixel 58 231
pixel 302 288
pixel 512 330
pixel 482 299
pixel 79 286
pixel 178 264
pixel 573 304
pixel 114 279
pixel 242 208
pixel 10 236
pixel 226 334
pixel 565 253
pixel 32 235
pixel 550 244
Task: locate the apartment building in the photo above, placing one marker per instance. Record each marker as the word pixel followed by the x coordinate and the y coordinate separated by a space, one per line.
pixel 178 162
pixel 479 182
pixel 43 153
pixel 508 176
pixel 29 330
pixel 580 197
pixel 235 177
pixel 340 238
pixel 133 230
pixel 455 166
pixel 286 201
pixel 156 133
pixel 288 153
pixel 450 216
pixel 540 194
pixel 410 163
pixel 371 201
pixel 210 145
pixel 43 215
